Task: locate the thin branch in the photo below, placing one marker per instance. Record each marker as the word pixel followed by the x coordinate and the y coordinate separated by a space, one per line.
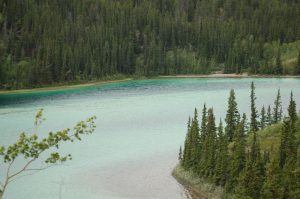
pixel 23 169
pixel 34 169
pixel 8 169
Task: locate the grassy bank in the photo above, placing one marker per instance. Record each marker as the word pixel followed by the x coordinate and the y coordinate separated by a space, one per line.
pixel 68 85
pixel 197 185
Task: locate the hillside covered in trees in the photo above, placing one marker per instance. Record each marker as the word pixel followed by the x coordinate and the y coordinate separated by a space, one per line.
pixel 51 41
pixel 253 160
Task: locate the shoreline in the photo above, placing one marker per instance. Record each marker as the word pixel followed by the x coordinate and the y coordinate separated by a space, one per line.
pixel 99 82
pixel 64 86
pixel 231 75
pixel 199 188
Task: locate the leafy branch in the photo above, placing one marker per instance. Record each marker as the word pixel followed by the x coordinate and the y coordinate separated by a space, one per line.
pixel 31 147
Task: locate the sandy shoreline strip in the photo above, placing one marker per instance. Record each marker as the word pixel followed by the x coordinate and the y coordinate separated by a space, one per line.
pixel 214 75
pixel 61 87
pixel 233 75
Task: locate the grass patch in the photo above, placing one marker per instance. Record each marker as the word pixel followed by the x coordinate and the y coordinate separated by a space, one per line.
pixel 196 184
pixel 269 137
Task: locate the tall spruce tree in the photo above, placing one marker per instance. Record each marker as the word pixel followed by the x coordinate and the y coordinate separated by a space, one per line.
pixel 288 145
pixel 194 143
pixel 203 123
pixel 232 116
pixel 238 156
pixel 263 120
pixel 253 120
pixel 291 167
pixel 277 111
pixel 269 119
pixel 252 177
pixel 272 187
pixel 180 154
pixel 209 146
pixel 278 70
pixel 186 157
pixel 220 176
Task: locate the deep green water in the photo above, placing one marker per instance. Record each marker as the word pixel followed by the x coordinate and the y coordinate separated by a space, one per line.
pixel 140 126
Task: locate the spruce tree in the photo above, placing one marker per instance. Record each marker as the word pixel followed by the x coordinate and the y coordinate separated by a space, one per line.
pixel 291 137
pixel 221 157
pixel 277 111
pixel 238 156
pixel 194 141
pixel 186 157
pixel 203 130
pixel 180 154
pixel 288 145
pixel 272 187
pixel 283 148
pixel 263 118
pixel 203 123
pixel 292 110
pixel 278 70
pixel 269 119
pixel 209 146
pixel 252 178
pixel 253 121
pixel 231 116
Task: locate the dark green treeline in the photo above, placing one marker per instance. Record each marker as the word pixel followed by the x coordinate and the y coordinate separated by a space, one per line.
pixel 221 155
pixel 49 41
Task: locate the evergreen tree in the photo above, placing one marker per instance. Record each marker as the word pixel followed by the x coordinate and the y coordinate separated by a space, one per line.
pixel 278 70
pixel 272 187
pixel 194 141
pixel 221 157
pixel 277 112
pixel 269 119
pixel 203 123
pixel 238 156
pixel 209 146
pixel 253 121
pixel 288 145
pixel 186 158
pixel 180 154
pixel 252 178
pixel 292 111
pixel 263 119
pixel 231 116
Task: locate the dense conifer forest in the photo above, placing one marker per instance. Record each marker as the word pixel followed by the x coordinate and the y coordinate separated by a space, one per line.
pixel 253 159
pixel 52 41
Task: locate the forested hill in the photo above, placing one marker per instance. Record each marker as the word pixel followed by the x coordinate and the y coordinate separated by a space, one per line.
pixel 48 41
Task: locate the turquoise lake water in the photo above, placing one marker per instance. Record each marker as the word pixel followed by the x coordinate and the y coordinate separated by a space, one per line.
pixel 140 126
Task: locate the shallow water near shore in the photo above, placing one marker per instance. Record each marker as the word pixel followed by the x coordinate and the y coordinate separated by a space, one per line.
pixel 140 126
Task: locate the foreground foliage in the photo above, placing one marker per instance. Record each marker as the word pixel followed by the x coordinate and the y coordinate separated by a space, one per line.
pixel 255 160
pixel 31 148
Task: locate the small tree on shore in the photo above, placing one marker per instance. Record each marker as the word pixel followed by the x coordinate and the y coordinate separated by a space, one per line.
pixel 31 148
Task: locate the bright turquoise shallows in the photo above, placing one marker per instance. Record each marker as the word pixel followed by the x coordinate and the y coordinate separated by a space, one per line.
pixel 140 126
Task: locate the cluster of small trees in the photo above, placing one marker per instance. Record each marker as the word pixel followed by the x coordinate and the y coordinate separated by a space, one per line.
pixel 49 41
pixel 221 155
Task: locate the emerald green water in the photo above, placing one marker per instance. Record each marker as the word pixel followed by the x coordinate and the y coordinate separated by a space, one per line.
pixel 140 126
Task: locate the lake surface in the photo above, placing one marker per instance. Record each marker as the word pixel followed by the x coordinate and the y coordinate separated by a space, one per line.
pixel 140 126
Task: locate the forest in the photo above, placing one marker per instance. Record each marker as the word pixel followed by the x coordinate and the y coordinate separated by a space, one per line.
pixel 251 159
pixel 54 41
